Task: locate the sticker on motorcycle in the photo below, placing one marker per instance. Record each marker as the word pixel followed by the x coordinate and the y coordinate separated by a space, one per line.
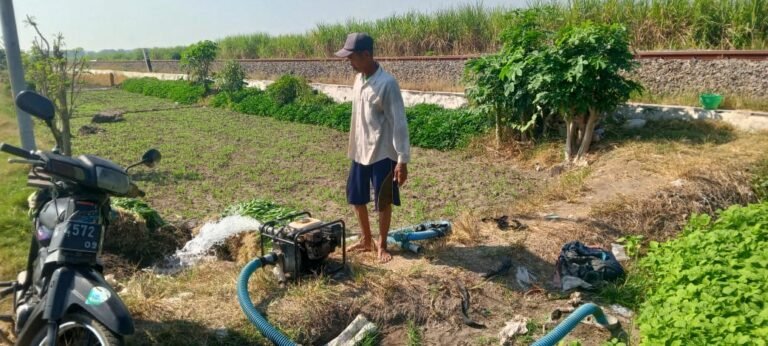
pixel 97 296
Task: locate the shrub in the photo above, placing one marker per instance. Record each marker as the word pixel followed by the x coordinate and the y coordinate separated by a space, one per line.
pixel 432 126
pixel 291 99
pixel 288 89
pixel 255 104
pixel 179 91
pixel 229 99
pixel 231 78
pixel 709 286
pixel 196 60
pixel 220 100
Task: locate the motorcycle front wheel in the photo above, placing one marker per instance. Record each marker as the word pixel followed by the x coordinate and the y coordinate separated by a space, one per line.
pixel 80 329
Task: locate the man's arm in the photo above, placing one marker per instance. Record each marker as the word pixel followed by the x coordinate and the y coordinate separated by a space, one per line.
pixel 395 108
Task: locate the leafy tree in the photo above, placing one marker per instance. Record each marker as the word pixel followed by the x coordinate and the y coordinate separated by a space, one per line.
pixel 231 77
pixel 577 74
pixel 499 84
pixel 58 77
pixel 196 61
pixel 584 72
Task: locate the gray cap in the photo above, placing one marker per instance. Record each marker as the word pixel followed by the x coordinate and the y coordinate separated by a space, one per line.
pixel 356 42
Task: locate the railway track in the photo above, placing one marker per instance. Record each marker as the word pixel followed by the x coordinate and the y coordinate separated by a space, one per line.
pixel 677 54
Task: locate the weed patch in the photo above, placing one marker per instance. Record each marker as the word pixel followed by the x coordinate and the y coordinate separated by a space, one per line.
pixel 430 126
pixel 710 285
pixel 179 91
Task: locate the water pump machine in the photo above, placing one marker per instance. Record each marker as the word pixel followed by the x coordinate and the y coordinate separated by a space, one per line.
pixel 302 244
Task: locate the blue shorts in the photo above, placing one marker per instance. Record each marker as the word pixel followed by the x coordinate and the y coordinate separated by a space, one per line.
pixel 382 175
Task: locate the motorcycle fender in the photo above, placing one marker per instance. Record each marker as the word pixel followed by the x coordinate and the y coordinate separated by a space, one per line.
pixel 83 287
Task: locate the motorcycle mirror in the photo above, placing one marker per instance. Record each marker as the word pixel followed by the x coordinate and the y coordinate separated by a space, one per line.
pixel 37 105
pixel 151 157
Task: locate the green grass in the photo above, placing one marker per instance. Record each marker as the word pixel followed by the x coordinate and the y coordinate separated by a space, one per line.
pixel 414 335
pixel 474 28
pixel 92 102
pixel 14 224
pixel 213 158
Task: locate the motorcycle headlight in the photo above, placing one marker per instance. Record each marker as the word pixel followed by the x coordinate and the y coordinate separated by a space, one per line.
pixel 112 180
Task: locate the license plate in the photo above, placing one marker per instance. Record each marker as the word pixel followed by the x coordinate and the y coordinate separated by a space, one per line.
pixel 82 237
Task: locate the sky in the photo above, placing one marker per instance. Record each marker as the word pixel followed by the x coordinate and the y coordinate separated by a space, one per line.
pixel 107 24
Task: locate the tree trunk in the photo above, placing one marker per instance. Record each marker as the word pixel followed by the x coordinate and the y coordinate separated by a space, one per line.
pixel 589 131
pixel 580 122
pixel 64 116
pixel 569 133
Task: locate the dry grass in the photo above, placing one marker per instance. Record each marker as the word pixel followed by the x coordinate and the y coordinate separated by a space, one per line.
pixel 465 229
pixel 568 187
pixel 133 245
pixel 543 155
pixel 240 248
pixel 196 307
pixel 662 215
pixel 675 158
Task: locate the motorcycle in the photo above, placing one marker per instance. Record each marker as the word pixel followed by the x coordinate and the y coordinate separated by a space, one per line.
pixel 62 297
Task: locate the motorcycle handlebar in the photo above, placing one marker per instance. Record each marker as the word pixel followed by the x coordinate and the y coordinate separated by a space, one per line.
pixel 16 151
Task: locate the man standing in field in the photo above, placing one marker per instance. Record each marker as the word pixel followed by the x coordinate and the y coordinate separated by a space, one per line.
pixel 378 142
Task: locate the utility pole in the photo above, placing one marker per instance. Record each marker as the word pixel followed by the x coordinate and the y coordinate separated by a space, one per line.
pixel 16 70
pixel 146 59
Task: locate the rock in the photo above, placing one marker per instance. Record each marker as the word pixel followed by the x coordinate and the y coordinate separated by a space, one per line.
pixel 576 299
pixel 634 124
pixel 556 170
pixel 221 333
pixel 185 295
pixel 107 117
pixel 678 183
pixel 110 279
pixel 622 311
pixel 598 135
pixel 89 130
pixel 518 325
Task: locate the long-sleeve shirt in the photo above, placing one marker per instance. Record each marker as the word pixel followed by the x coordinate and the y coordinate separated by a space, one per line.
pixel 378 127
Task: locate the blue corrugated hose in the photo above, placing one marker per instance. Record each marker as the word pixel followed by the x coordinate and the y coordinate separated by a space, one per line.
pixel 404 236
pixel 246 304
pixel 571 322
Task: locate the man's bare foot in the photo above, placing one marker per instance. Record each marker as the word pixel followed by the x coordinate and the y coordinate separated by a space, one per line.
pixel 360 247
pixel 384 255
